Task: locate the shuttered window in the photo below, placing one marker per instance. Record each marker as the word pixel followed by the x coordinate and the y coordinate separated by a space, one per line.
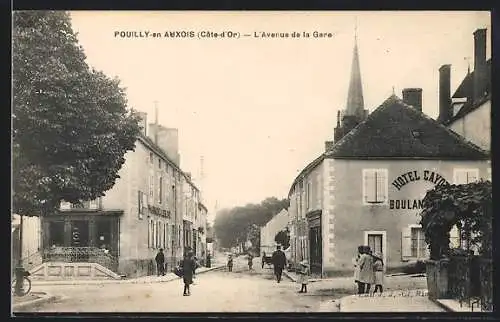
pixel 464 176
pixel 413 245
pixel 160 189
pixel 375 186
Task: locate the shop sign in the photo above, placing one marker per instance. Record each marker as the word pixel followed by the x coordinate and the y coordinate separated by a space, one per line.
pixel 414 176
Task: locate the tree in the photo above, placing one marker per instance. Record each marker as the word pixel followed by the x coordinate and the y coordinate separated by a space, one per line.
pixel 71 127
pixel 468 206
pixel 283 238
pixel 237 225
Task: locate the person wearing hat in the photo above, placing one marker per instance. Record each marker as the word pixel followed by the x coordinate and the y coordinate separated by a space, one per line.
pixel 378 268
pixel 366 274
pixel 303 279
pixel 188 267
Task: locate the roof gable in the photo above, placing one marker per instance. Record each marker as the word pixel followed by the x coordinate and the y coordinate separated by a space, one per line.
pixel 388 133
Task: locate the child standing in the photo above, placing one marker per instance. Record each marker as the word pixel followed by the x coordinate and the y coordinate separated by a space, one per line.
pixel 378 268
pixel 303 279
pixel 230 262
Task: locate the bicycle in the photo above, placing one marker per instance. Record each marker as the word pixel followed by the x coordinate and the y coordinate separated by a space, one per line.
pixel 26 287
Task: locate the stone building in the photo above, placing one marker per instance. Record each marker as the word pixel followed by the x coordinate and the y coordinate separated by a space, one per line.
pixel 270 229
pixel 367 186
pixel 467 112
pixel 123 231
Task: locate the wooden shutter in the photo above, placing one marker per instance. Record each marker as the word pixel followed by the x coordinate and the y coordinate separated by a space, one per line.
pixel 454 237
pixel 381 186
pixel 460 176
pixel 368 185
pixel 406 243
pixel 140 204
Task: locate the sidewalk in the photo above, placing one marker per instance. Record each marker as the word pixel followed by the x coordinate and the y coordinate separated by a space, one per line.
pixel 395 301
pixel 31 300
pixel 139 280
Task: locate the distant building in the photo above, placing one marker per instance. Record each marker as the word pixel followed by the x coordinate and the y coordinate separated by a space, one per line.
pixel 270 229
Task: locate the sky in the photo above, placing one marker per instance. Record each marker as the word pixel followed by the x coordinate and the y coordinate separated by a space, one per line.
pixel 258 110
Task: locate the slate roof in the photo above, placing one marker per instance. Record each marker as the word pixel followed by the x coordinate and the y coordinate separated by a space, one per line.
pixel 465 89
pixel 388 133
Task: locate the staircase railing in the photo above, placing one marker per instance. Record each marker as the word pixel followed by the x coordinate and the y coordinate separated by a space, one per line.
pixel 81 255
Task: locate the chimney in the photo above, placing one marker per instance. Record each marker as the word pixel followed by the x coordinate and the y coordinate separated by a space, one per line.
pixel 168 141
pixel 328 145
pixel 444 93
pixel 413 97
pixel 143 122
pixel 479 63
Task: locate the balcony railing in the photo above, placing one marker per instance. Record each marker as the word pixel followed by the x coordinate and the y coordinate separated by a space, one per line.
pixel 81 255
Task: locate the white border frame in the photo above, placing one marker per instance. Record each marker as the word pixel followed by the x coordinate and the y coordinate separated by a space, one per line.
pixel 384 242
pixel 386 172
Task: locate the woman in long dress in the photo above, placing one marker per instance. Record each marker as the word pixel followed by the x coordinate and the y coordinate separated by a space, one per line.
pixel 366 274
pixel 378 268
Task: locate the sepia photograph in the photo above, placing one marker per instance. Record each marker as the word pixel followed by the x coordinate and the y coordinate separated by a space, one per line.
pixel 251 161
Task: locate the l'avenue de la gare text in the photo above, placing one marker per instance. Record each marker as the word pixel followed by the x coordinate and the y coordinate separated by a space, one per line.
pixel 413 176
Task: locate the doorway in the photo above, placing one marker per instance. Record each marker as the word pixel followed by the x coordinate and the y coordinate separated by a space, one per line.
pixel 377 240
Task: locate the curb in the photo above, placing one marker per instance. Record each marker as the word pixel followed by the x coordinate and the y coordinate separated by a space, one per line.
pixel 442 305
pixel 289 276
pixel 35 303
pixel 123 281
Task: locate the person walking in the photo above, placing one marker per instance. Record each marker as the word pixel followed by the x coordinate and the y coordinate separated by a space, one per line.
pixel 250 261
pixel 304 273
pixel 230 262
pixel 366 275
pixel 378 268
pixel 188 267
pixel 356 266
pixel 279 262
pixel 263 259
pixel 160 262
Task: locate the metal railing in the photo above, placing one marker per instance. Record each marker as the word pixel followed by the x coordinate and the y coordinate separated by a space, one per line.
pixel 81 255
pixel 470 281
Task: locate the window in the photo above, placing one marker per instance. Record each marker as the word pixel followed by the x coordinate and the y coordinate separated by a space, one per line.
pixel 375 186
pixel 159 163
pixel 165 228
pixel 418 245
pixel 464 176
pixel 151 157
pixel 142 204
pixel 160 189
pixel 159 234
pixel 488 175
pixel 150 233
pixel 56 233
pixel 151 186
pixel 94 204
pixel 413 245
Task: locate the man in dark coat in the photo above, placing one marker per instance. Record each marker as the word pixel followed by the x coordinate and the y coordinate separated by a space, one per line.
pixel 279 262
pixel 188 267
pixel 160 262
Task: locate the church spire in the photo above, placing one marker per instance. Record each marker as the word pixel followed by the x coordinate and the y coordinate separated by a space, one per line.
pixel 355 102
